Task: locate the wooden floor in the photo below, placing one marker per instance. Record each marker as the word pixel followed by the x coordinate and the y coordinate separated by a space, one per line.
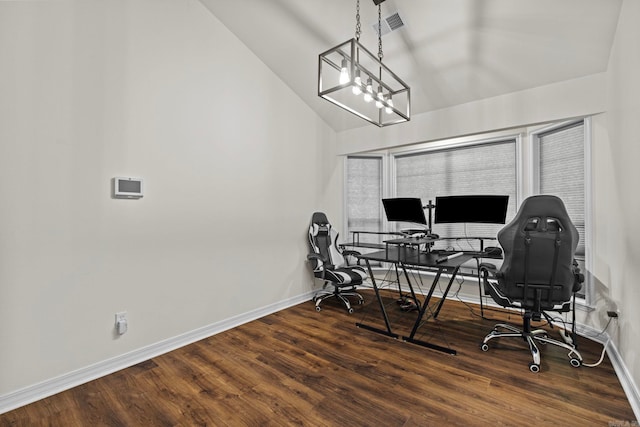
pixel 300 367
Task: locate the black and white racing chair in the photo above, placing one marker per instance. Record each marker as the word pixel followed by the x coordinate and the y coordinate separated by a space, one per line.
pixel 539 273
pixel 329 265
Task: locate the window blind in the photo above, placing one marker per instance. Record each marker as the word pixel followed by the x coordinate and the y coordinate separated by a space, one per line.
pixel 562 172
pixel 488 168
pixel 364 195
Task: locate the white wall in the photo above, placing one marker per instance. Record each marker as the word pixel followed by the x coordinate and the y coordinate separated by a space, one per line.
pixel 616 160
pixel 572 98
pixel 234 164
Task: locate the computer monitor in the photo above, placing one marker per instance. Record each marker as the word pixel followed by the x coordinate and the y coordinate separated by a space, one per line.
pixel 404 209
pixel 488 209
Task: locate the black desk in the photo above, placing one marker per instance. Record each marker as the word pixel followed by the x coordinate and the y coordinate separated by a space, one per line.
pixel 357 243
pixel 411 257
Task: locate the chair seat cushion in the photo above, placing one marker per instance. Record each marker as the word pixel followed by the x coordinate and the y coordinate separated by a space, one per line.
pixel 346 275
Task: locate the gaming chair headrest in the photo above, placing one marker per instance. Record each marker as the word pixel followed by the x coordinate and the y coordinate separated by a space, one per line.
pixel 549 213
pixel 543 205
pixel 542 215
pixel 319 218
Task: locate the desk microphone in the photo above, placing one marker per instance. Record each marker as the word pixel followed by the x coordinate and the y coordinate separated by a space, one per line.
pixel 446 258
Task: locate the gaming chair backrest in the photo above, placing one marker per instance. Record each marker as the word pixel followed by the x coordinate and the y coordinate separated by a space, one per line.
pixel 544 221
pixel 322 241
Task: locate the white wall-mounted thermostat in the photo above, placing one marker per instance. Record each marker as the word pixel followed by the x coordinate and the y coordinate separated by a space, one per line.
pixel 127 187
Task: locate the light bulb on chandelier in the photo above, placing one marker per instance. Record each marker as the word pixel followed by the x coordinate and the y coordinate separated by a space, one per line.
pixel 379 98
pixel 344 73
pixel 389 108
pixel 368 92
pixel 357 83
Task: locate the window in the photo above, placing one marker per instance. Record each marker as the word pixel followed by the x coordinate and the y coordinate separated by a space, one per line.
pixel 558 158
pixel 478 169
pixel 363 178
pixel 560 154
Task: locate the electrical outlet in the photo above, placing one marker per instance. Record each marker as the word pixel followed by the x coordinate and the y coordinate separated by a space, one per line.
pixel 121 322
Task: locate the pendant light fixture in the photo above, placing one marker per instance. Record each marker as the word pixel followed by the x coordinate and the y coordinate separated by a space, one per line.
pixel 384 100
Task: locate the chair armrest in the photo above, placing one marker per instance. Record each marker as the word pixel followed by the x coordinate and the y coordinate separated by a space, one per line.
pixel 314 256
pixel 488 269
pixel 319 267
pixel 351 252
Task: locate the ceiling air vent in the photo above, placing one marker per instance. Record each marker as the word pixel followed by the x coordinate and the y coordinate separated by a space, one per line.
pixel 389 23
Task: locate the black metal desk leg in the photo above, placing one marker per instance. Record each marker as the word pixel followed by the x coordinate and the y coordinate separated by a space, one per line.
pixel 446 292
pixel 398 280
pixel 413 294
pixel 423 310
pixel 480 285
pixel 425 304
pixel 388 332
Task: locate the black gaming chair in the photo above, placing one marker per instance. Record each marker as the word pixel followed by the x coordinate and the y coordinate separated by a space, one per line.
pixel 329 264
pixel 538 274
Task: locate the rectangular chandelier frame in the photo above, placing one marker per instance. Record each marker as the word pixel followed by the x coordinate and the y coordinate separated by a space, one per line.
pixel 350 94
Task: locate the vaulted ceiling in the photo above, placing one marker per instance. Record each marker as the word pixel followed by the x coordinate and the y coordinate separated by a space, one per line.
pixel 448 51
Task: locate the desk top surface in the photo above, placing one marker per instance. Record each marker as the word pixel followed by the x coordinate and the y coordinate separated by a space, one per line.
pixel 414 257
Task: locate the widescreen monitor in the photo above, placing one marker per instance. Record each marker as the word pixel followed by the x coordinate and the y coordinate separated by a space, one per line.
pixel 404 209
pixel 488 209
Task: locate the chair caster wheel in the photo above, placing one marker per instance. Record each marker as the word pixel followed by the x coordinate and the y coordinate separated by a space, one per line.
pixel 576 363
pixel 318 308
pixel 534 367
pixel 484 346
pixel 350 311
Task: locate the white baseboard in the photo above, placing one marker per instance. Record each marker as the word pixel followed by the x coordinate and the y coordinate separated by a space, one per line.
pixel 72 379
